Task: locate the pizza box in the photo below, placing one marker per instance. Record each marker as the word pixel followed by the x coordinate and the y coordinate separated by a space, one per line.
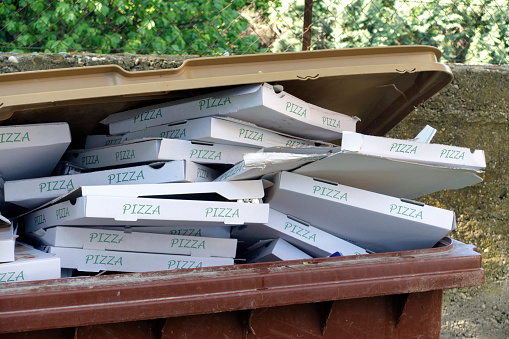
pixel 37 147
pixel 300 234
pixel 90 260
pixel 152 150
pixel 30 264
pixel 195 231
pixel 89 238
pixel 413 151
pixel 394 177
pixel 262 104
pixel 173 204
pixel 101 140
pixel 31 193
pixel 221 130
pixel 373 221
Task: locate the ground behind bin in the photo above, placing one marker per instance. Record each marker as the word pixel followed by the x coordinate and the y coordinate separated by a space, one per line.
pixel 471 112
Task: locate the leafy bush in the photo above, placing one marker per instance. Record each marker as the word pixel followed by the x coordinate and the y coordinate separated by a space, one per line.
pixel 205 27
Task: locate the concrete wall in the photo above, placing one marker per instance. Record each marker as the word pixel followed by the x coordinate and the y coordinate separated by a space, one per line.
pixel 471 112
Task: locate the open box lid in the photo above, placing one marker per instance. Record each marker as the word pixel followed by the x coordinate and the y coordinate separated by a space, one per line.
pixel 379 85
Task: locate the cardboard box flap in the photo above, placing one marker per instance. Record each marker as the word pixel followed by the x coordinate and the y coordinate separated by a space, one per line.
pixel 257 165
pixel 414 151
pixel 379 85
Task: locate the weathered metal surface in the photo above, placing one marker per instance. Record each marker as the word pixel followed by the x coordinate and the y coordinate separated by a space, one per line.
pixel 131 297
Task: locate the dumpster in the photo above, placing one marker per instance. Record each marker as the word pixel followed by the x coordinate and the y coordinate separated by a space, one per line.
pixel 387 295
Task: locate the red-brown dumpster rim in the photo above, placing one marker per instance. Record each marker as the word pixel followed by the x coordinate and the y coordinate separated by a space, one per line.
pixel 128 297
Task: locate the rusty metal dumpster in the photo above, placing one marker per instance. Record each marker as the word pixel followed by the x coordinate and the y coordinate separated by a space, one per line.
pixel 386 295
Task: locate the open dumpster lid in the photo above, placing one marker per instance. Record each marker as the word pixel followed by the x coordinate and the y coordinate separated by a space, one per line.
pixel 379 85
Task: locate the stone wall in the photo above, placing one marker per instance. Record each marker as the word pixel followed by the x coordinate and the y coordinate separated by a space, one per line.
pixel 471 112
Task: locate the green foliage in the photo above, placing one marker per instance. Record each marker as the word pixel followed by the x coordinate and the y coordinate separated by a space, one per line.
pixel 473 31
pixel 205 27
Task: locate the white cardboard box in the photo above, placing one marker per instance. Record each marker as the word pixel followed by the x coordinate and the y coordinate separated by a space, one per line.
pixel 31 193
pixel 220 130
pixel 38 148
pixel 378 174
pixel 413 151
pixel 89 260
pixel 239 190
pixel 274 250
pixel 7 240
pixel 196 231
pixel 257 103
pixel 88 238
pixel 93 141
pixel 152 150
pixel 305 237
pixel 370 220
pixel 392 177
pixel 121 206
pixel 29 265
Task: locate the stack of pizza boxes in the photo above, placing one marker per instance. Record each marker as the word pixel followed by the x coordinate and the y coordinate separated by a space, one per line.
pixel 249 174
pixel 27 151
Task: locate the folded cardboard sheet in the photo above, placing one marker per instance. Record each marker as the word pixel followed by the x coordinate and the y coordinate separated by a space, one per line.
pixel 152 150
pixel 29 265
pixel 88 238
pixel 31 193
pixel 305 237
pixel 259 164
pixel 29 151
pixel 260 104
pixel 89 260
pixel 370 220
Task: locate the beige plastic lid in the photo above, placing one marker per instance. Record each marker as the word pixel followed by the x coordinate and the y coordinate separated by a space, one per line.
pixel 380 85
